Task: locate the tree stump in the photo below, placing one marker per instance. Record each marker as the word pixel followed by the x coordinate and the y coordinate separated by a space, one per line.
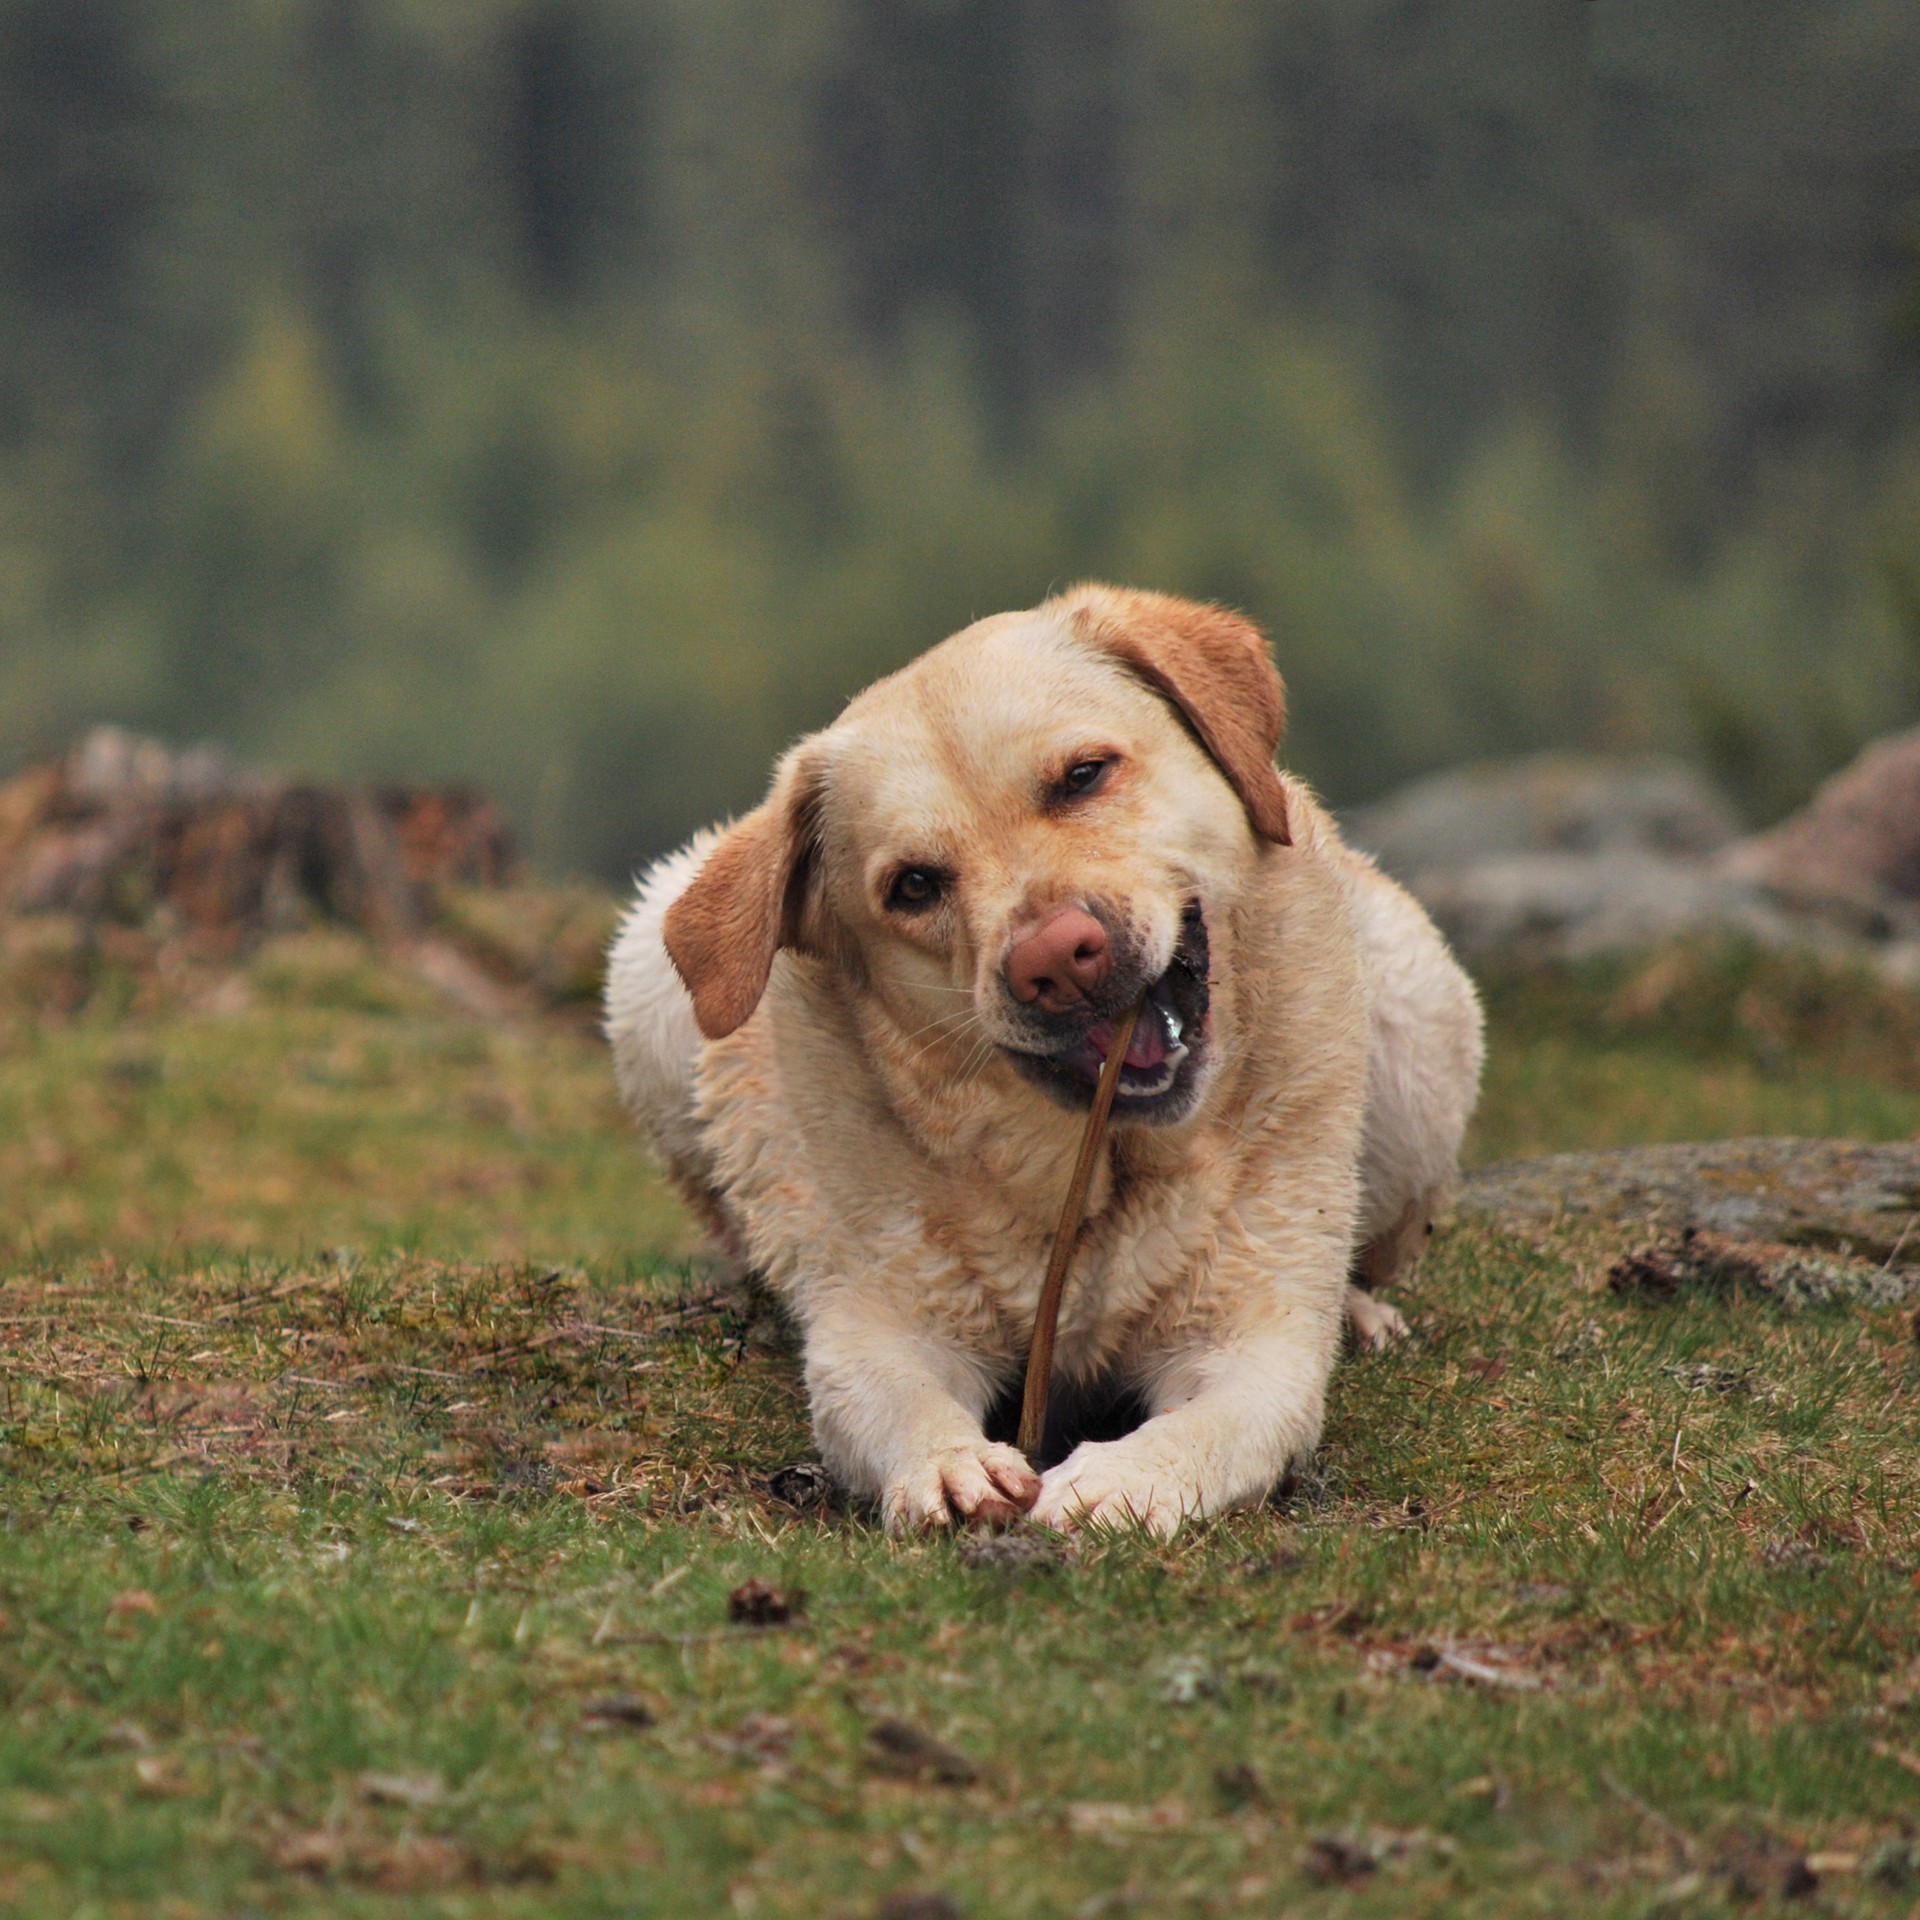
pixel 124 830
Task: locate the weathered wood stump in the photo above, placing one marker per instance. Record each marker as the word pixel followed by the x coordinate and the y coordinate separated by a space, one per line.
pixel 124 830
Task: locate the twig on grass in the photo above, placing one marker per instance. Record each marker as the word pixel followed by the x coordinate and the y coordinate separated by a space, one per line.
pixel 1688 1846
pixel 1488 1673
pixel 302 1285
pixel 697 1636
pixel 612 1333
pixel 1913 1220
pixel 753 1520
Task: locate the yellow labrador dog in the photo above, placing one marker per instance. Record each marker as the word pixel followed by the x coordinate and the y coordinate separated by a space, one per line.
pixel 863 1026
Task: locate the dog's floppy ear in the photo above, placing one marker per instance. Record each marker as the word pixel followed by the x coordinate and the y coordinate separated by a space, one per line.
pixel 749 900
pixel 1213 664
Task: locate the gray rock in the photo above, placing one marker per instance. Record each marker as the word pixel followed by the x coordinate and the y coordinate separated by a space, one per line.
pixel 1547 803
pixel 1557 856
pixel 1575 904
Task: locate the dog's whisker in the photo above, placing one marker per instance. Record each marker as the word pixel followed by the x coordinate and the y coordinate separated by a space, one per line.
pixel 921 986
pixel 980 1057
pixel 944 1029
pixel 939 1028
pixel 941 1021
pixel 919 1054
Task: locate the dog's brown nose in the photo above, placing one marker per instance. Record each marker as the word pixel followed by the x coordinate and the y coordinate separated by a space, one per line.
pixel 1060 963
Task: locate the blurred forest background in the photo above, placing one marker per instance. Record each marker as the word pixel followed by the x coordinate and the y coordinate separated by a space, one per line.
pixel 585 396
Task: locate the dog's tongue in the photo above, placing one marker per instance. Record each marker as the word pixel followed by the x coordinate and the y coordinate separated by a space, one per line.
pixel 1145 1050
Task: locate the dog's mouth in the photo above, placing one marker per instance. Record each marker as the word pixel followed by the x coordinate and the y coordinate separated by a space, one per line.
pixel 1159 1072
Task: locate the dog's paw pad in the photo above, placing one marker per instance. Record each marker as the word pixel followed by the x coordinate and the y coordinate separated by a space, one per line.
pixel 1097 1485
pixel 1376 1326
pixel 975 1485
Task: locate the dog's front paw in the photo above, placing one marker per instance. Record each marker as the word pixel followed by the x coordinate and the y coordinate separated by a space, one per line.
pixel 1113 1483
pixel 1376 1326
pixel 980 1484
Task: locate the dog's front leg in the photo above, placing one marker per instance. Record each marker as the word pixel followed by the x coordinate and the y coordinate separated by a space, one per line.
pixel 897 1412
pixel 1229 1416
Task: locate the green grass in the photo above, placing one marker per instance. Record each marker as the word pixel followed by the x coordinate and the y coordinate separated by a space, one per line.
pixel 343 1467
pixel 318 1099
pixel 1695 1043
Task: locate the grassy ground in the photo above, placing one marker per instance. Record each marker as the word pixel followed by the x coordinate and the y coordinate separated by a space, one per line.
pixel 1696 1043
pixel 377 1473
pixel 319 1099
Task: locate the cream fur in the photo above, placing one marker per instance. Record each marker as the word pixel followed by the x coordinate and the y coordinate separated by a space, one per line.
pixel 865 1143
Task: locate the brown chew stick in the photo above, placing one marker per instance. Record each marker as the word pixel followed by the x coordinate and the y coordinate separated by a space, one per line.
pixel 1046 1316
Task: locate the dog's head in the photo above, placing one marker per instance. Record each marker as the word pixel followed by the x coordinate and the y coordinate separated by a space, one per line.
pixel 1003 846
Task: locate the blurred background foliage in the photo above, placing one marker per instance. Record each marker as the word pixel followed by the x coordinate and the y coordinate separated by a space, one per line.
pixel 585 396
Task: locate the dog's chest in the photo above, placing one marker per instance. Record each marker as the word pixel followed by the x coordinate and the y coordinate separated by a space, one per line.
pixel 1144 1252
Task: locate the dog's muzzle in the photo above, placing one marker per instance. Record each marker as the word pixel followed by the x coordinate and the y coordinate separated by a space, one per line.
pixel 1159 1076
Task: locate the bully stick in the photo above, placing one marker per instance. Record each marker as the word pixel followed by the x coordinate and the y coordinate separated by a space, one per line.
pixel 1046 1318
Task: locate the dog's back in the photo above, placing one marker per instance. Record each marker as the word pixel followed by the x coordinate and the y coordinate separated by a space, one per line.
pixel 650 1025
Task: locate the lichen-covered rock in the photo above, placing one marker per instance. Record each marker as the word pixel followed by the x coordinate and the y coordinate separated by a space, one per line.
pixel 1696 1261
pixel 1841 1197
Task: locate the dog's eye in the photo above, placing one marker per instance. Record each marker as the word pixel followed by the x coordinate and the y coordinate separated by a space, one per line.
pixel 915 888
pixel 1082 777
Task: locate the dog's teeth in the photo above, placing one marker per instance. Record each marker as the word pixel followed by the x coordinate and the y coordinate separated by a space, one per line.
pixel 1169 1068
